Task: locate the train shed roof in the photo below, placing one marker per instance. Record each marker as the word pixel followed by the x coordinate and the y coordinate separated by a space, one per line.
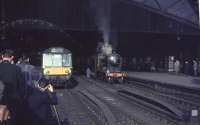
pixel 181 10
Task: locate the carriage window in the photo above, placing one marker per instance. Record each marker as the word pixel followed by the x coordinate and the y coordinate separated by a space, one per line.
pixel 57 60
pixel 46 60
pixel 52 60
pixel 66 60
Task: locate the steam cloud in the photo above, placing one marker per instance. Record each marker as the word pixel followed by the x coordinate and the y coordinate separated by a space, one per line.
pixel 102 9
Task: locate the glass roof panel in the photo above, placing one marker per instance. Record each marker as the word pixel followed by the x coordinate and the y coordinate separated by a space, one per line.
pixel 180 9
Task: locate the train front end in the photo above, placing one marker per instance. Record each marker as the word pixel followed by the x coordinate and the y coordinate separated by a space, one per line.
pixel 57 66
pixel 114 71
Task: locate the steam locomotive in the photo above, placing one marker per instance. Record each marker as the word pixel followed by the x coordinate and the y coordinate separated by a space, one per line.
pixel 108 65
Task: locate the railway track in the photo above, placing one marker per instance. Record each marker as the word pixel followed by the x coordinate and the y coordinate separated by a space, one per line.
pixel 191 94
pixel 123 103
pixel 183 100
pixel 95 102
pixel 73 110
pixel 111 105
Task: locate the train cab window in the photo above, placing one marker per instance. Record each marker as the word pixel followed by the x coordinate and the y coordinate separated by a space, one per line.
pixel 66 60
pixel 57 60
pixel 52 60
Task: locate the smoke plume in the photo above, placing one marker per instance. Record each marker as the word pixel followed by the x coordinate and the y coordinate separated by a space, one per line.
pixel 102 10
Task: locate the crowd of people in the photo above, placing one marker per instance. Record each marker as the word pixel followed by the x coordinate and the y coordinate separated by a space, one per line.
pixel 22 99
pixel 187 67
pixel 177 66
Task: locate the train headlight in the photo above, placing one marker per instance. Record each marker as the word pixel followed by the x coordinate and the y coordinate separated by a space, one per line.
pixel 112 58
pixel 47 72
pixel 68 71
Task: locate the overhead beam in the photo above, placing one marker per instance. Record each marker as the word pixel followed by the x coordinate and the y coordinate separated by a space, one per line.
pixel 158 4
pixel 179 19
pixel 173 4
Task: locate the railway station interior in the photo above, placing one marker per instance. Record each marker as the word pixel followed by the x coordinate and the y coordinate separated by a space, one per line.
pixel 110 62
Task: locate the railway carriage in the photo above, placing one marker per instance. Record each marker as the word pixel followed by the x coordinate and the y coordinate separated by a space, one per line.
pixel 57 66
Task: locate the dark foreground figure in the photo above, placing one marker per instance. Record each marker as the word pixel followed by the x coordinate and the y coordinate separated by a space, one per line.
pixel 12 87
pixel 27 104
pixel 39 104
pixel 39 96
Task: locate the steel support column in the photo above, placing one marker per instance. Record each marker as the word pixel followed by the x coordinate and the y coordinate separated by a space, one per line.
pixel 199 13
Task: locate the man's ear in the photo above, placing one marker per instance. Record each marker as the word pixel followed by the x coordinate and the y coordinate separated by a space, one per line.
pixel 12 57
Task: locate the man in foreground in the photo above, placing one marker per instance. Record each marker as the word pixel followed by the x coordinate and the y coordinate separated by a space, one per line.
pixel 13 90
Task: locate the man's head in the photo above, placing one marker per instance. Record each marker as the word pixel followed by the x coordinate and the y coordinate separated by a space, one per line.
pixel 7 55
pixel 42 83
pixel 25 58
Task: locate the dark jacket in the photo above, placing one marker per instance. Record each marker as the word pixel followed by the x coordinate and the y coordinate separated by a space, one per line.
pixel 14 82
pixel 39 103
pixel 30 73
pixel 13 92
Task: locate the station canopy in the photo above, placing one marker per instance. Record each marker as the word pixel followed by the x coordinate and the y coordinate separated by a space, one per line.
pixel 181 10
pixel 170 16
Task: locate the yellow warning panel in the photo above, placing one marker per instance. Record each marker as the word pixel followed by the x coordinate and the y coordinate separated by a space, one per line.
pixel 57 71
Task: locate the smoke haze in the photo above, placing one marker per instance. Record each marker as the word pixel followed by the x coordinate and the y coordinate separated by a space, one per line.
pixel 102 12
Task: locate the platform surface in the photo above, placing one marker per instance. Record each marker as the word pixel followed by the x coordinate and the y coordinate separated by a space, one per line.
pixel 168 78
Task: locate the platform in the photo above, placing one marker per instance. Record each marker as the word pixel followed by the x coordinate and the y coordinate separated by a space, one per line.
pixel 167 78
